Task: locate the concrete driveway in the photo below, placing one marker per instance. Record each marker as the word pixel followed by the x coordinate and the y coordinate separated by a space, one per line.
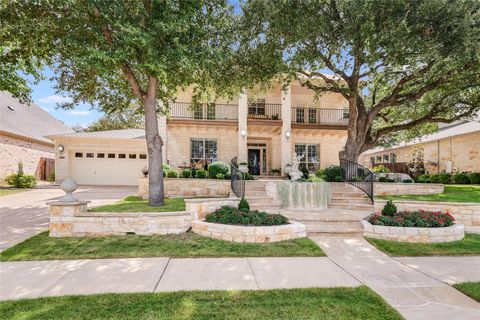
pixel 25 214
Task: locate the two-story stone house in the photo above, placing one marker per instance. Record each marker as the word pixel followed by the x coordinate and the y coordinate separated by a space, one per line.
pixel 261 128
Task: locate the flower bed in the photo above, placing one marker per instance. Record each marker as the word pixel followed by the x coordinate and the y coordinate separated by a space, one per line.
pixel 232 215
pixel 418 218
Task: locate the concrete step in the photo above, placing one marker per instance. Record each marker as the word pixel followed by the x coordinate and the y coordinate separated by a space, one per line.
pixel 259 200
pixel 351 206
pixel 349 195
pixel 351 225
pixel 333 231
pixel 351 200
pixel 270 208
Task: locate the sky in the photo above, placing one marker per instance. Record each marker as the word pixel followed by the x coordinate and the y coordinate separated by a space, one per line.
pixel 43 94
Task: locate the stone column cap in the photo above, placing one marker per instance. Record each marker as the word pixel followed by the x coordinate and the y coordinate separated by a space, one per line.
pixel 67 203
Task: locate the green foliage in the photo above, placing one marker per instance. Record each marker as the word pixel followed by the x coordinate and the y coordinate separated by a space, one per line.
pixel 200 174
pixel 132 198
pixel 407 181
pixel 166 168
pixel 124 119
pixel 220 176
pixel 51 177
pixel 172 174
pixel 424 178
pixel 243 205
pixel 461 178
pixel 445 178
pixel 320 173
pixel 389 209
pixel 381 169
pixel 21 180
pixel 248 176
pixel 313 178
pixel 474 177
pixel 228 176
pixel 305 172
pixel 218 167
pixel 418 219
pixel 186 173
pixel 382 179
pixel 334 173
pixel 231 215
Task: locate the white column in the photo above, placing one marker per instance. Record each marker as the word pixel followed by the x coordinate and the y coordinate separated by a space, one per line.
pixel 242 127
pixel 286 143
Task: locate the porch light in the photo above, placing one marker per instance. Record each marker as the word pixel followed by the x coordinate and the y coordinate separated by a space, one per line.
pixel 287 135
pixel 60 148
pixel 243 133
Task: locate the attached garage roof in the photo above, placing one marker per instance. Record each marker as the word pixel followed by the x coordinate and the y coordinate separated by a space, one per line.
pixel 110 134
pixel 29 121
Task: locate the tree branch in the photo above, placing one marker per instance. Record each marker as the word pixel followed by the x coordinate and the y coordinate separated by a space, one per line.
pixel 334 85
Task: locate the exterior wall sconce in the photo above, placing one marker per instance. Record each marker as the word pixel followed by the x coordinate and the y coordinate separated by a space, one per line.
pixel 287 135
pixel 60 148
pixel 243 133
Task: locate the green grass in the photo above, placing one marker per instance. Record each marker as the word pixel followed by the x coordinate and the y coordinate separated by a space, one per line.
pixel 468 246
pixel 6 192
pixel 318 303
pixel 42 247
pixel 135 204
pixel 452 193
pixel 471 289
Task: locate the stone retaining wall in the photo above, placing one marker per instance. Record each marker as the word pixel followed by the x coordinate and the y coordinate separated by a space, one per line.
pixel 179 187
pixel 465 213
pixel 200 207
pixel 249 234
pixel 404 234
pixel 391 188
pixel 71 219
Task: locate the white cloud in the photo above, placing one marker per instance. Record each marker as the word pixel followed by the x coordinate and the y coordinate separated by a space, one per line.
pixel 54 99
pixel 80 113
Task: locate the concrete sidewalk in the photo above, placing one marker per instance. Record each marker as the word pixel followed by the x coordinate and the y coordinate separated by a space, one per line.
pixel 31 279
pixel 416 295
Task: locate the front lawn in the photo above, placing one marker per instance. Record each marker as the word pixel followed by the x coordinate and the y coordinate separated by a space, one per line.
pixel 186 245
pixel 135 204
pixel 468 246
pixel 6 192
pixel 452 193
pixel 318 303
pixel 471 289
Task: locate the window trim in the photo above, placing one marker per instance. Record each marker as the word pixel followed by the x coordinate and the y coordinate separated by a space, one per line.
pixel 204 153
pixel 306 160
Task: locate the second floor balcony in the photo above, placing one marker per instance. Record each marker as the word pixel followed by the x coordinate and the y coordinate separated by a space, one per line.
pixel 203 111
pixel 319 116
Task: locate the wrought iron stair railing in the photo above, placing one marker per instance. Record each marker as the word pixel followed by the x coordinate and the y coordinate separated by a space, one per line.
pixel 358 176
pixel 237 179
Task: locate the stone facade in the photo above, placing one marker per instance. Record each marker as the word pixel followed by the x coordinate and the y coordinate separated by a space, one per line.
pixel 188 187
pixel 390 188
pixel 200 207
pixel 71 219
pixel 467 214
pixel 423 235
pixel 15 149
pixel 249 234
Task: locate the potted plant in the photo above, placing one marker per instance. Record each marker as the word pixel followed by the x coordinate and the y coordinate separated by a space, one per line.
pixel 145 171
pixel 275 172
pixel 243 167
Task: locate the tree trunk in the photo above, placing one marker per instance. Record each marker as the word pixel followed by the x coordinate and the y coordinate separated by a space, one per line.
pixel 154 145
pixel 357 132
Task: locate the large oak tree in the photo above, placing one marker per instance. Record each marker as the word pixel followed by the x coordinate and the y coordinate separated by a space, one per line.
pixel 401 65
pixel 119 54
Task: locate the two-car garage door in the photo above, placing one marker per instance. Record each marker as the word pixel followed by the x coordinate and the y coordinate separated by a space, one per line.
pixel 106 168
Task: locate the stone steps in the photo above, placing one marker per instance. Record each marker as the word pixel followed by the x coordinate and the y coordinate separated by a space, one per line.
pixel 352 206
pixel 333 231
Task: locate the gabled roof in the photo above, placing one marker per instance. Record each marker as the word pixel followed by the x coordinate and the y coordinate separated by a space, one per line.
pixel 29 121
pixel 443 133
pixel 110 134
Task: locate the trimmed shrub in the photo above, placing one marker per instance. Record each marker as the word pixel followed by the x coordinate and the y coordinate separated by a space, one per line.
pixel 217 167
pixel 381 169
pixel 201 174
pixel 389 209
pixel 232 215
pixel 334 173
pixel 435 178
pixel 444 178
pixel 419 219
pixel 382 179
pixel 390 180
pixel 172 174
pixel 186 173
pixel 166 168
pixel 474 177
pixel 248 176
pixel 320 173
pixel 194 172
pixel 228 176
pixel 407 181
pixel 51 177
pixel 424 178
pixel 305 172
pixel 21 180
pixel 243 205
pixel 461 178
pixel 220 176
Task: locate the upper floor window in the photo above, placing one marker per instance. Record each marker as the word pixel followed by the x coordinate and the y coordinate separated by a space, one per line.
pixel 379 159
pixel 393 157
pixel 312 115
pixel 300 115
pixel 257 107
pixel 386 158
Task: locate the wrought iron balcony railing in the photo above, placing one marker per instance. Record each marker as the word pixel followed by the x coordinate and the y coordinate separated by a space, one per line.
pixel 266 111
pixel 319 116
pixel 203 111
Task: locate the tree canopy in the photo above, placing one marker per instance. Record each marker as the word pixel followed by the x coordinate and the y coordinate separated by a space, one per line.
pixel 127 119
pixel 401 65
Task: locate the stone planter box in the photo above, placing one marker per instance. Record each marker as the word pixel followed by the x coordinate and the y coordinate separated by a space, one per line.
pixel 465 213
pixel 180 187
pixel 201 206
pixel 392 188
pixel 406 234
pixel 249 234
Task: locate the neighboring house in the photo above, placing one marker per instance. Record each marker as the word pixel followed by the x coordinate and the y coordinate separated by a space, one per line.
pixel 263 128
pixel 453 148
pixel 22 137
